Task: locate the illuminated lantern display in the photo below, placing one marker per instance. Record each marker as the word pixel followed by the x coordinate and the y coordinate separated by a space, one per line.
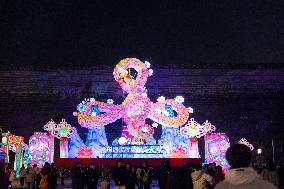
pixel 85 152
pixel 136 106
pixel 192 130
pixel 17 145
pixel 63 131
pixel 132 75
pixel 39 148
pixel 49 127
pixel 245 142
pixel 216 146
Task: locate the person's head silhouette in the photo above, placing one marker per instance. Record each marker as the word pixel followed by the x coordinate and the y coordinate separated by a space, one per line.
pixel 239 155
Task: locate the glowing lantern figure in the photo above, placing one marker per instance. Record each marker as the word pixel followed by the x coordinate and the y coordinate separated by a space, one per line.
pixel 63 131
pixel 49 127
pixel 192 130
pixel 39 148
pixel 245 142
pixel 85 152
pixel 17 145
pixel 136 107
pixel 216 146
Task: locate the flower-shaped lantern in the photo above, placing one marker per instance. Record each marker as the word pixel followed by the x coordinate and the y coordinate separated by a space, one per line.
pixel 208 127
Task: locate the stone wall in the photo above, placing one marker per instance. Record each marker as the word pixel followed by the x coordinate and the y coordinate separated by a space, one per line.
pixel 241 102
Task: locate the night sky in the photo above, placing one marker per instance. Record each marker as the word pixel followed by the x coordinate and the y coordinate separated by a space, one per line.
pixel 77 33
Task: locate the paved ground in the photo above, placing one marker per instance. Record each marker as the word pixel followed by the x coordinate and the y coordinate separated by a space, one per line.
pixel 68 184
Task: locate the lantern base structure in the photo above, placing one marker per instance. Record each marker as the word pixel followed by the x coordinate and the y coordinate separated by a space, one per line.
pixel 170 145
pixel 193 149
pixel 52 148
pixel 155 162
pixel 64 148
pixel 18 160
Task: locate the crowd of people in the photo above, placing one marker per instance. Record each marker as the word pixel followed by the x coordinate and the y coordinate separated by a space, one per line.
pixel 32 177
pixel 125 176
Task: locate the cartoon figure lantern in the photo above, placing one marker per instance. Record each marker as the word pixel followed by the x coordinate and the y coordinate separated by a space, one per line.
pixel 40 148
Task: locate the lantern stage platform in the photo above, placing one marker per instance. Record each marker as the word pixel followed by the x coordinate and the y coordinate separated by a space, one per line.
pixel 68 162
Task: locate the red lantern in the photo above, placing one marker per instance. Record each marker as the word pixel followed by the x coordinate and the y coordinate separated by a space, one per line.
pixel 193 139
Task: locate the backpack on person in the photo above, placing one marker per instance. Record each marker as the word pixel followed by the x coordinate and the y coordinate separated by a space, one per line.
pixel 146 176
pixel 12 176
pixel 138 173
pixel 43 184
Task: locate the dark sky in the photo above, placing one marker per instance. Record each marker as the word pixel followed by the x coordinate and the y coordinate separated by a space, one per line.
pixel 56 33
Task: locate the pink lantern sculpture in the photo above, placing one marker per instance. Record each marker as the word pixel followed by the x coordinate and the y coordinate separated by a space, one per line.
pixel 136 107
pixel 63 131
pixel 39 148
